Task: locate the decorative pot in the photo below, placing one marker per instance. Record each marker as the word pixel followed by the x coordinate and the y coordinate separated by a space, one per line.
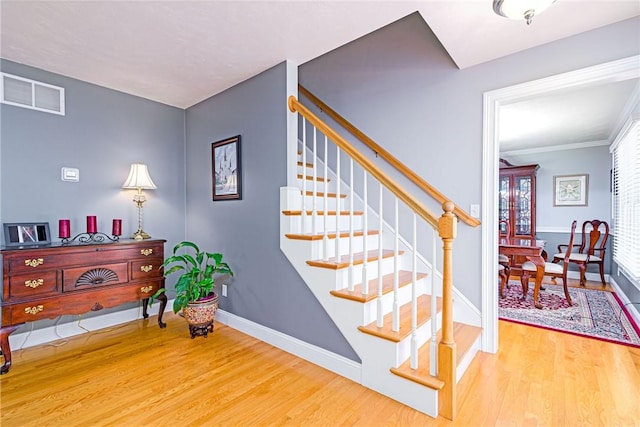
pixel 200 314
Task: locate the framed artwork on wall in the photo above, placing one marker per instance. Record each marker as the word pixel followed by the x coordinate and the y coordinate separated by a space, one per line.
pixel 226 169
pixel 26 234
pixel 570 190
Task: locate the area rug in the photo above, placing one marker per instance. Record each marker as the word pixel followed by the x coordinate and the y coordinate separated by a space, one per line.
pixel 594 314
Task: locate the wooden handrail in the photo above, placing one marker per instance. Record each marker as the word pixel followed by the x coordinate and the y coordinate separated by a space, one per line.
pixel 415 178
pixel 373 169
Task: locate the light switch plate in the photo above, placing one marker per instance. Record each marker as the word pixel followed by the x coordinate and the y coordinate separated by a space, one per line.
pixel 70 174
pixel 474 211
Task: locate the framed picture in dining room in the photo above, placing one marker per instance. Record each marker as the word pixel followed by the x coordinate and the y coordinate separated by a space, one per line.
pixel 226 169
pixel 570 190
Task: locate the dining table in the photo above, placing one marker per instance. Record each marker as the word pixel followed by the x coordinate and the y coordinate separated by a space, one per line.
pixel 530 249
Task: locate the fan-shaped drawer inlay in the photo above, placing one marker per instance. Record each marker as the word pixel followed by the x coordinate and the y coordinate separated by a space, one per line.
pixel 85 277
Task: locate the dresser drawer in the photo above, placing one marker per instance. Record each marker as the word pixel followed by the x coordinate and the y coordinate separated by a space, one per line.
pixel 30 264
pixel 146 269
pixel 33 285
pixel 75 303
pixel 89 277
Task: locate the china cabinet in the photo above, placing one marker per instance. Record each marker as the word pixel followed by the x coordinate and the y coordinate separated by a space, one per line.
pixel 517 199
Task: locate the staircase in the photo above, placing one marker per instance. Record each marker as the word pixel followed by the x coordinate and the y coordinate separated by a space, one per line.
pixel 382 293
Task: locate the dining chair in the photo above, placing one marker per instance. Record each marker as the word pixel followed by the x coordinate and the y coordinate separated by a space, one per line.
pixel 595 234
pixel 552 269
pixel 504 263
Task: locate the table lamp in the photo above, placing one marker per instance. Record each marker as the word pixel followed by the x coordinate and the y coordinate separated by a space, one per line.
pixel 139 179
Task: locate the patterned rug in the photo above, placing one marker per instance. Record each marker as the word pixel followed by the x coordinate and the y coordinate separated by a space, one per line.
pixel 594 314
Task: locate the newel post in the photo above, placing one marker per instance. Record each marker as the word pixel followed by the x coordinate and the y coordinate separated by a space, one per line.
pixel 447 347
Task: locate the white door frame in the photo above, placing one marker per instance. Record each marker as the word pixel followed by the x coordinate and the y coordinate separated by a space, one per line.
pixel 623 69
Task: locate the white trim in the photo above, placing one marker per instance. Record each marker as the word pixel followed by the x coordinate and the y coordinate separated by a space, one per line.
pixel 623 69
pixel 314 354
pixel 566 230
pixel 633 309
pixel 292 124
pixel 575 146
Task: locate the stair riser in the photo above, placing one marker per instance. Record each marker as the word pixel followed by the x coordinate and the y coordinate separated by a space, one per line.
pixel 344 244
pixel 294 224
pixel 332 202
pixel 404 296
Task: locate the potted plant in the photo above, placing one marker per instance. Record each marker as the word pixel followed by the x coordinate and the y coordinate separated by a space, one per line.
pixel 195 295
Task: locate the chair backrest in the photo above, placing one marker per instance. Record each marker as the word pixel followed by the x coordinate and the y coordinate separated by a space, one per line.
pixel 503 228
pixel 567 253
pixel 594 237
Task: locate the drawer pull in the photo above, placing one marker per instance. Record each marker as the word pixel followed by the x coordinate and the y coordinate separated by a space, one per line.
pixel 34 283
pixel 146 289
pixel 146 268
pixel 34 310
pixel 146 252
pixel 34 262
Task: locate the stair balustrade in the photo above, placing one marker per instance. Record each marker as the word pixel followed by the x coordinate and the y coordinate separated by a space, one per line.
pixel 443 360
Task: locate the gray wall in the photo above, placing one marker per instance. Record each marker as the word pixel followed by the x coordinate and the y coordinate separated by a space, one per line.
pixel 266 288
pixel 400 87
pixel 102 133
pixel 594 161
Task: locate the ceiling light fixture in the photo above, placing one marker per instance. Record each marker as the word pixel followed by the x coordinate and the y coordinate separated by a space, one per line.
pixel 521 9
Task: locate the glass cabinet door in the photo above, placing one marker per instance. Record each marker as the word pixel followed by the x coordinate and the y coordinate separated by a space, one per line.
pixel 503 203
pixel 522 205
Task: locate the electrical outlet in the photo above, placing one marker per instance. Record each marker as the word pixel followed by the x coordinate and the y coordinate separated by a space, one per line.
pixel 224 290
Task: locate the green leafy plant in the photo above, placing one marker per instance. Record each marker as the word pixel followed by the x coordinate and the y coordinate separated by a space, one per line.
pixel 198 269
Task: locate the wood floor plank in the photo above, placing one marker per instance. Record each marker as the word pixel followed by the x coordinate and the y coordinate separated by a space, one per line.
pixel 139 375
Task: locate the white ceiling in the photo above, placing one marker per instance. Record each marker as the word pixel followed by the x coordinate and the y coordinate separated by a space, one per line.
pixel 182 52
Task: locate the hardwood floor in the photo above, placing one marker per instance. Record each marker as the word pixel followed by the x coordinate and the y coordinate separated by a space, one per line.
pixel 139 375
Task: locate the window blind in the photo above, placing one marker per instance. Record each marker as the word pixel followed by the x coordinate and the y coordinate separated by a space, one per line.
pixel 626 199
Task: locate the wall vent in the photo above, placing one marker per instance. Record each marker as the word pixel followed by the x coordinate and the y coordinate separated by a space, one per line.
pixel 31 94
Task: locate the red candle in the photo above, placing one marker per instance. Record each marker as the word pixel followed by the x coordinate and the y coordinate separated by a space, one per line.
pixel 117 227
pixel 64 228
pixel 92 224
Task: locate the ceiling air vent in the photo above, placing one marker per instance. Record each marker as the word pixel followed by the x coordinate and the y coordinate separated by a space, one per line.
pixel 31 94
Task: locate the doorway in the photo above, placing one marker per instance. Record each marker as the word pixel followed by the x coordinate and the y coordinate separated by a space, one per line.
pixel 614 71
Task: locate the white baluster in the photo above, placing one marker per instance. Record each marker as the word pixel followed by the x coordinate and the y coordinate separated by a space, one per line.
pixel 395 326
pixel 314 200
pixel 380 314
pixel 325 238
pixel 414 297
pixel 365 227
pixel 351 249
pixel 337 257
pixel 303 216
pixel 433 346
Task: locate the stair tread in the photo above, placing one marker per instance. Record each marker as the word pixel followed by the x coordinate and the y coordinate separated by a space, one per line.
pixel 404 278
pixel 321 194
pixel 318 178
pixel 310 212
pixel 358 258
pixel 424 314
pixel 464 335
pixel 331 235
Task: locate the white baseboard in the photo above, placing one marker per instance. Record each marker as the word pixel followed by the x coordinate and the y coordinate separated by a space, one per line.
pixel 77 326
pixel 633 309
pixel 316 355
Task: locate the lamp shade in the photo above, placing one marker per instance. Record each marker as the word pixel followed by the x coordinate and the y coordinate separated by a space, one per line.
pixel 520 9
pixel 139 178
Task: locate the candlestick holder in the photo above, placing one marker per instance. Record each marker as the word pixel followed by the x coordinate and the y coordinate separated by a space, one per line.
pixel 86 238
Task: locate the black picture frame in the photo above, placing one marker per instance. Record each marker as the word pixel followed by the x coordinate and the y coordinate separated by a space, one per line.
pixel 226 165
pixel 25 234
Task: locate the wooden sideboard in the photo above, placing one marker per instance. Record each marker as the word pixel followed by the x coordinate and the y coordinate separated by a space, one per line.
pixel 58 279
